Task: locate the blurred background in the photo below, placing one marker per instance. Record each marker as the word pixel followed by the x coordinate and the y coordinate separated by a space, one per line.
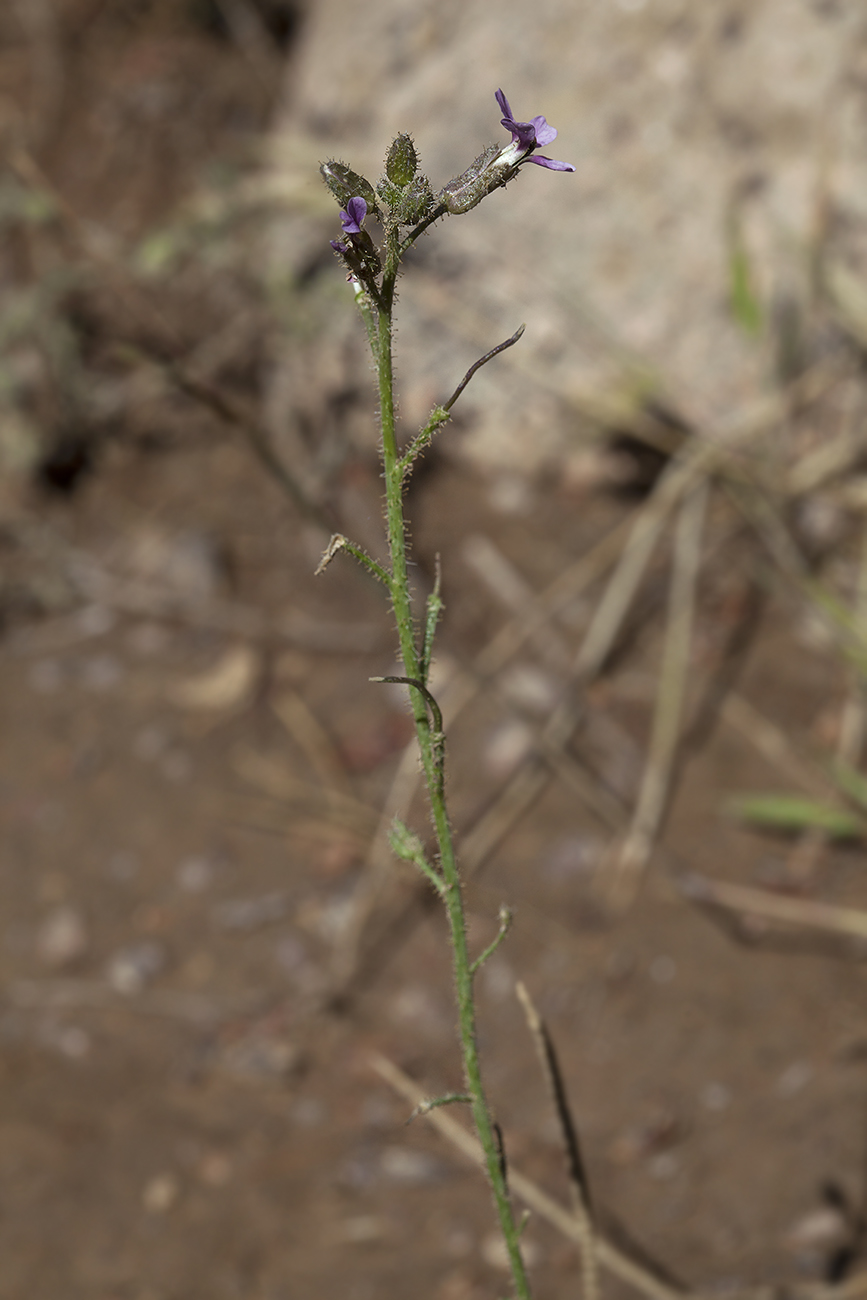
pixel 650 520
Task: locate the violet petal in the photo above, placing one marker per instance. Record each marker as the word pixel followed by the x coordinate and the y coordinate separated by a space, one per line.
pixel 351 219
pixel 544 133
pixel 550 163
pixel 504 104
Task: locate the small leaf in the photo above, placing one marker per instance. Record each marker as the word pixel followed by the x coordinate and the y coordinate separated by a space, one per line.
pixel 791 814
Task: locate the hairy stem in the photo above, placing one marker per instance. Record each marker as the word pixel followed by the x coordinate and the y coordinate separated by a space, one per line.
pixel 432 764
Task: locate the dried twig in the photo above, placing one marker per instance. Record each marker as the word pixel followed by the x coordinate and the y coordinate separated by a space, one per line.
pixel 668 714
pixel 578 1182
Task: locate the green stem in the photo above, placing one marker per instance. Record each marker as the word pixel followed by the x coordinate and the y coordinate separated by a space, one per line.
pixel 401 602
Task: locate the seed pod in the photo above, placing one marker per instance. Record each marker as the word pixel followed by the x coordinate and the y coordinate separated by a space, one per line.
pixel 345 184
pixel 468 189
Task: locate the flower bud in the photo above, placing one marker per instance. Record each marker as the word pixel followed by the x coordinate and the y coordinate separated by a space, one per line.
pixel 346 184
pixel 401 164
pixel 417 201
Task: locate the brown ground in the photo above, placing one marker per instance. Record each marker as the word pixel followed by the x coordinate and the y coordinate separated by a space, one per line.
pixel 185 1112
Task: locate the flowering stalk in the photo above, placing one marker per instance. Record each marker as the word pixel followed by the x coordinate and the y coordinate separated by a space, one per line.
pixel 406 206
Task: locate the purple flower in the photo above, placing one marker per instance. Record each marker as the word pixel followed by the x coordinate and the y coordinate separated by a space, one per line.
pixel 351 219
pixel 527 136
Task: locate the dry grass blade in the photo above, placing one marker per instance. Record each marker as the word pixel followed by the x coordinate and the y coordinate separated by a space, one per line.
pixel 774 745
pixel 800 912
pixel 518 794
pixel 277 781
pixel 531 616
pixel 581 1200
pixel 312 739
pixel 561 1218
pixel 828 461
pixel 630 569
pixel 668 714
pixel 501 577
pixel 702 456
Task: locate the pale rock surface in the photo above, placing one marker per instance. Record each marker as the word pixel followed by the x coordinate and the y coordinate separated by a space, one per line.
pixel 671 111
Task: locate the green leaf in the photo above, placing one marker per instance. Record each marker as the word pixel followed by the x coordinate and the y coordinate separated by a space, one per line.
pixel 791 814
pixel 852 782
pixel 745 305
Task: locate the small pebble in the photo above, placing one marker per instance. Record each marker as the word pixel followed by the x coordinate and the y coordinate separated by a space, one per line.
pixel 362 1229
pixel 507 746
pixel 73 1042
pixel 377 1111
pixel 62 937
pixel 419 1010
pixel 404 1165
pixel 574 858
pixel 148 639
pixel 821 1229
pixel 663 1166
pixel 195 875
pixel 794 1079
pixel 69 1040
pixel 160 1193
pixel 530 688
pixel 246 914
pixel 498 979
pixel 123 866
pixel 132 968
pixel 309 1112
pixel 259 1056
pixel 663 969
pixel 459 1242
pixel 177 767
pixel 215 1169
pixel 150 742
pixel 511 494
pixel 46 676
pixel 716 1096
pixel 290 954
pixel 101 673
pixel 95 620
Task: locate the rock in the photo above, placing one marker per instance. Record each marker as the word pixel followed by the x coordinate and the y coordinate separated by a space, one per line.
pixel 626 259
